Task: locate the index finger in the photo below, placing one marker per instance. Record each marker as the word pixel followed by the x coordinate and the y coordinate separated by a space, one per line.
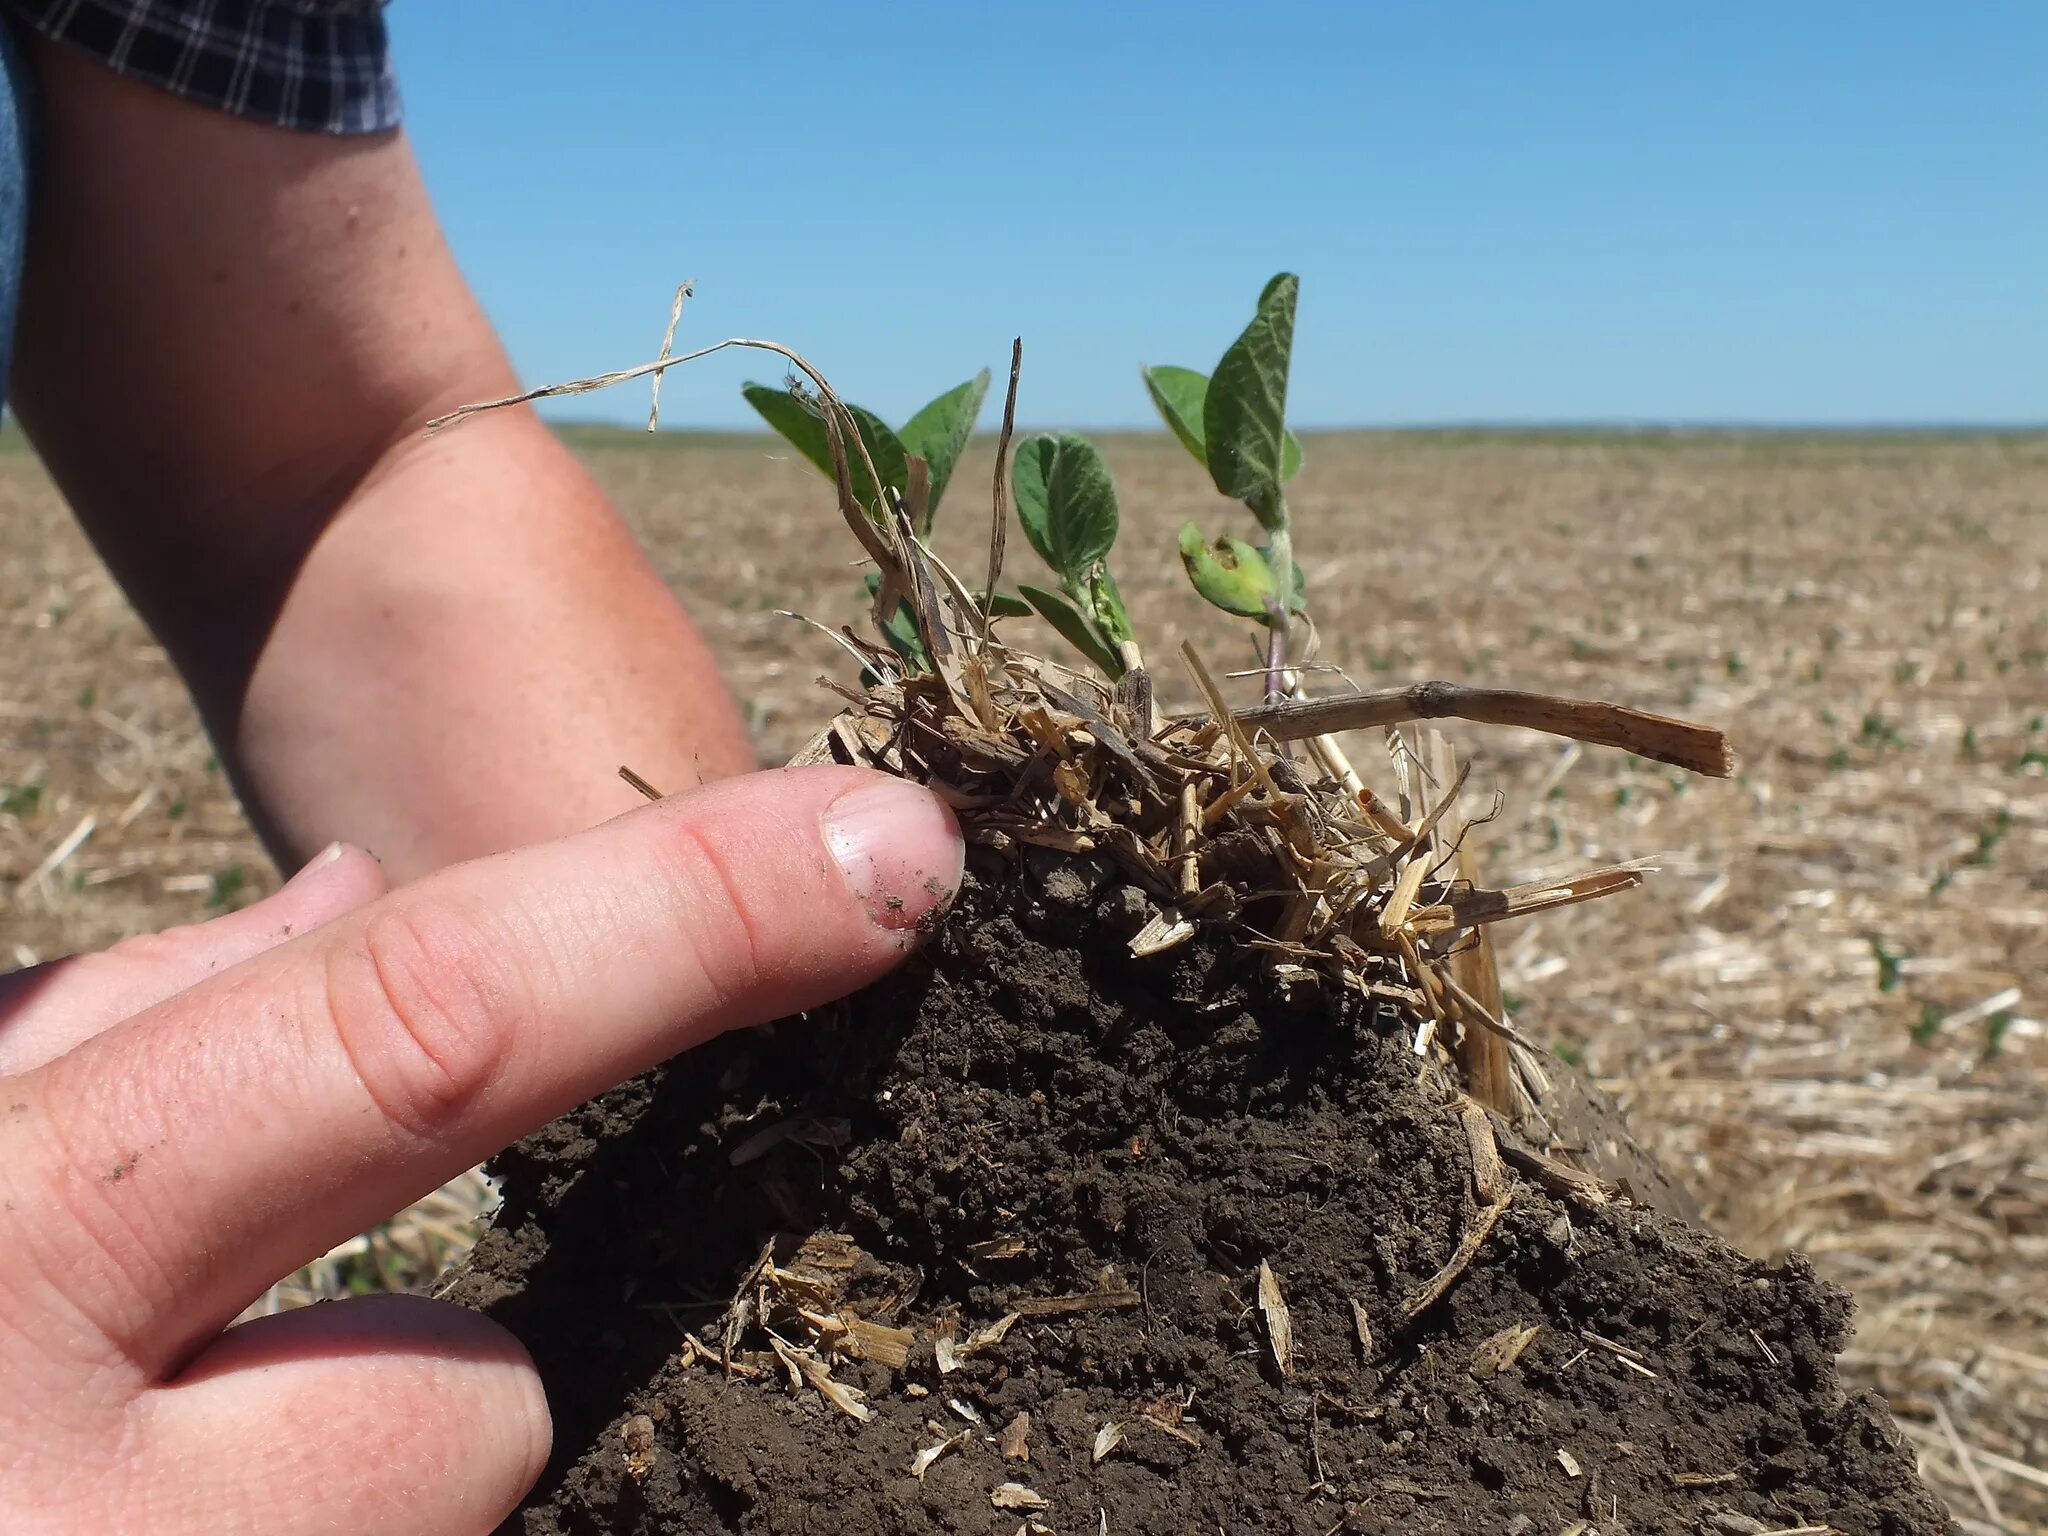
pixel 176 1165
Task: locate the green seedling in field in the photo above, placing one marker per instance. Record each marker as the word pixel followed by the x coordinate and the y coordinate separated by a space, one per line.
pixel 1066 505
pixel 1888 964
pixel 1234 422
pixel 937 434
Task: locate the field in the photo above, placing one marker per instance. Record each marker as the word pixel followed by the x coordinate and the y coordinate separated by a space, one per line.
pixel 1826 1011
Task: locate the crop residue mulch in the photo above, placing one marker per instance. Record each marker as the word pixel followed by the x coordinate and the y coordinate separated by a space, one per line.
pixel 1160 1250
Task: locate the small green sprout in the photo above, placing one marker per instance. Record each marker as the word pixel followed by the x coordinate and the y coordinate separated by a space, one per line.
pixel 1234 422
pixel 1888 965
pixel 1066 505
pixel 1928 1030
pixel 937 434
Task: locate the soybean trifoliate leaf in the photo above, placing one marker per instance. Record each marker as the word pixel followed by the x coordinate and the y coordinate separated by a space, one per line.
pixel 1075 630
pixel 805 431
pixel 1179 393
pixel 1065 502
pixel 1230 573
pixel 1031 488
pixel 1244 417
pixel 886 449
pixel 801 426
pixel 940 431
pixel 1081 506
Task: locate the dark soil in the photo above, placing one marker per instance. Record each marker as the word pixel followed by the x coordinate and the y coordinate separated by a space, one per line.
pixel 1158 1127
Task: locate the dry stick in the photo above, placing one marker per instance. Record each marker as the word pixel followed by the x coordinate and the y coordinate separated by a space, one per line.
pixel 668 340
pixel 639 783
pixel 827 395
pixel 1698 748
pixel 1334 761
pixel 1469 1245
pixel 1240 744
pixel 1000 524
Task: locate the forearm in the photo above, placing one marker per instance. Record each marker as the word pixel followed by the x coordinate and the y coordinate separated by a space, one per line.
pixel 462 661
pixel 231 338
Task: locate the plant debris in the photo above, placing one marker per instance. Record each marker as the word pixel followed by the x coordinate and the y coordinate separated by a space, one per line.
pixel 1279 1328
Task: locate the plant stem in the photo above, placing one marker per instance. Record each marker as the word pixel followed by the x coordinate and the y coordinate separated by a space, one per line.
pixel 1280 555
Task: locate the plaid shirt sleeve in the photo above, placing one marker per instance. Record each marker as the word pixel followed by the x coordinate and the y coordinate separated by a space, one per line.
pixel 321 66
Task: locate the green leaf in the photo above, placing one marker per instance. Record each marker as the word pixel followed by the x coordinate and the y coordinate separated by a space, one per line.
pixel 803 428
pixel 1229 573
pixel 1179 393
pixel 1075 630
pixel 1244 417
pixel 892 462
pixel 900 629
pixel 806 433
pixel 1004 606
pixel 940 431
pixel 1031 489
pixel 1066 502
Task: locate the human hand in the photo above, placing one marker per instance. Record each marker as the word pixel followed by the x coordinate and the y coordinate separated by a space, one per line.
pixel 189 1116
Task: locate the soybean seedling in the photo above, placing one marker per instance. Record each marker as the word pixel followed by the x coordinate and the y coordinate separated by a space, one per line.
pixel 937 434
pixel 1066 505
pixel 1234 422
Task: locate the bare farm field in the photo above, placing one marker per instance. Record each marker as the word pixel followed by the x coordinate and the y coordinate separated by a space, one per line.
pixel 1828 1010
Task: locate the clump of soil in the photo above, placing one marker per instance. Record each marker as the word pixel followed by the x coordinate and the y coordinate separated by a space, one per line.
pixel 1027 1123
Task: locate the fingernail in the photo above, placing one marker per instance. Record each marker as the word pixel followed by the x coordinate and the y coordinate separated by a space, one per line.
pixel 899 848
pixel 314 865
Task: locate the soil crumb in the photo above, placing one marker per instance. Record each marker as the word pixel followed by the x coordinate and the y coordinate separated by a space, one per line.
pixel 1038 1237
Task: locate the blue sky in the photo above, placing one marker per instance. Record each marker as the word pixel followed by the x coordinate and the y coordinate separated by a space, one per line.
pixel 1812 212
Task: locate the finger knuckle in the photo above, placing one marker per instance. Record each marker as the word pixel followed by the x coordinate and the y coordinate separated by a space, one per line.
pixel 725 935
pixel 428 1010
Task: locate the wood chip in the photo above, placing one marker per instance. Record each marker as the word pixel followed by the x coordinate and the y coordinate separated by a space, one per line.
pixel 986 1338
pixel 1017 1496
pixel 1498 1354
pixel 872 1341
pixel 1053 1306
pixel 999 1248
pixel 1569 1462
pixel 1016 1444
pixel 848 1400
pixel 1363 1325
pixel 1469 1245
pixel 1107 1439
pixel 1166 929
pixel 1489 1173
pixel 970 1414
pixel 921 1463
pixel 1279 1326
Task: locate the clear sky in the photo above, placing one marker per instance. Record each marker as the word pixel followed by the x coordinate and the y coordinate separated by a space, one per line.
pixel 1783 211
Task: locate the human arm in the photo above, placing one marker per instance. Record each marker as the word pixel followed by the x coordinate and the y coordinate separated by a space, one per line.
pixel 231 338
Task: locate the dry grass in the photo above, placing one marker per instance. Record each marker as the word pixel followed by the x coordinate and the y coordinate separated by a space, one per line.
pixel 1868 619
